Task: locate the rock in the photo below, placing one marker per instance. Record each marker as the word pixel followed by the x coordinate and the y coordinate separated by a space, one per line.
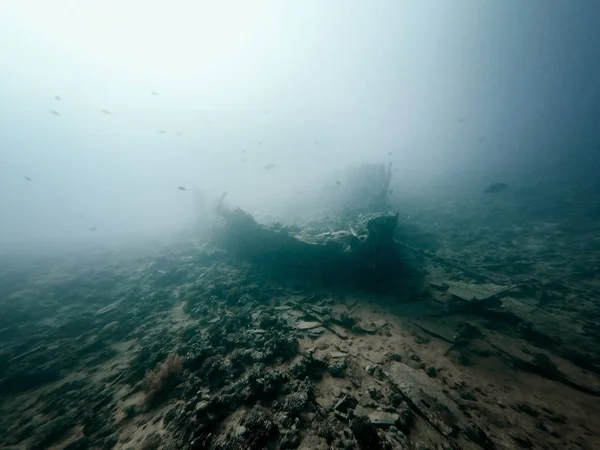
pixel 316 333
pixel 431 371
pixel 466 393
pixel 406 418
pixel 337 367
pixel 383 419
pixel 295 403
pixel 283 308
pixel 260 427
pixel 202 406
pixel 338 331
pixel 303 325
pixel 308 367
pixel 361 328
pixel 375 394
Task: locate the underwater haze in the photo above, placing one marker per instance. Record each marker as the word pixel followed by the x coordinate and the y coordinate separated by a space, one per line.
pixel 299 224
pixel 452 89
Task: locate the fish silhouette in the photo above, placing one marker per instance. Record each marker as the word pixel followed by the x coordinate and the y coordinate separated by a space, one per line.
pixel 93 229
pixel 27 178
pixel 181 188
pixel 105 111
pixel 269 166
pixel 57 97
pixel 154 93
pixel 56 113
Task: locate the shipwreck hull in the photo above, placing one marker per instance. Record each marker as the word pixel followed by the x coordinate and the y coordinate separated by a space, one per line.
pixel 370 261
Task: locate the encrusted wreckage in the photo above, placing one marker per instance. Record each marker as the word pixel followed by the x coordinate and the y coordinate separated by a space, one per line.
pixel 363 252
pixel 369 260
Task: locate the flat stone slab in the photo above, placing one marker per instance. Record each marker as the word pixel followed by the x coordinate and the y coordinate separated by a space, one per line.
pixel 283 308
pixel 338 331
pixel 316 332
pixel 382 418
pixel 438 329
pixel 426 396
pixel 303 325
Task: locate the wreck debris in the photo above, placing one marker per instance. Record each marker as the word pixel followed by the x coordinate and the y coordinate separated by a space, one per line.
pixel 373 262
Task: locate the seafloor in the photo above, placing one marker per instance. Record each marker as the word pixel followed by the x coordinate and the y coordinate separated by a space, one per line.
pixel 496 346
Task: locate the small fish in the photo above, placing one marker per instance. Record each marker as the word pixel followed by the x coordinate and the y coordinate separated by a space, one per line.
pixel 56 113
pixel 105 111
pixel 461 120
pixel 57 97
pixel 259 142
pixel 181 188
pixel 154 93
pixel 316 142
pixel 244 160
pixel 179 133
pixel 269 166
pixel 162 132
pixel 81 216
pixel 27 178
pixel 480 139
pixel 495 188
pixel 338 183
pixel 93 229
pixel 389 153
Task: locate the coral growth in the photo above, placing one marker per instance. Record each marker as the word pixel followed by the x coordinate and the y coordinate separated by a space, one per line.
pixel 158 381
